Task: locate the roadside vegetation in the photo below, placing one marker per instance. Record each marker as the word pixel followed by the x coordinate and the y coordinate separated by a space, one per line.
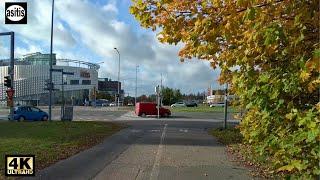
pixel 269 53
pixel 243 154
pixel 227 136
pixel 203 108
pixel 51 141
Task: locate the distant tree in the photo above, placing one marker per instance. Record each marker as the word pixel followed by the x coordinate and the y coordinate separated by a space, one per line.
pixel 152 98
pixel 128 99
pixel 171 96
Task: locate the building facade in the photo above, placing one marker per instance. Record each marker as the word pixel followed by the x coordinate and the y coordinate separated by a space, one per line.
pixel 107 85
pixel 31 73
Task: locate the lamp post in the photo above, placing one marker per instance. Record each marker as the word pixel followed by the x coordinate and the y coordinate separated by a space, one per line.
pixel 50 71
pixel 118 78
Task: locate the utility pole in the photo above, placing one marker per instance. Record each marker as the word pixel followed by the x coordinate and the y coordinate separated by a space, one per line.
pixel 136 90
pixel 225 107
pixel 50 71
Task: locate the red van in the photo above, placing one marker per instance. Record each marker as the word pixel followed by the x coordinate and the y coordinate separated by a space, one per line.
pixel 149 108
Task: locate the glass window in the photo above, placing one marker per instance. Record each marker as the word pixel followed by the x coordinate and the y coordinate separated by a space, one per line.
pixel 35 109
pixel 74 82
pixel 86 82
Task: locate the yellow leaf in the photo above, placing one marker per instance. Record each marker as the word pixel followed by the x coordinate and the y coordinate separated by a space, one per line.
pixel 304 76
pixel 289 116
pixel 286 168
pixel 227 26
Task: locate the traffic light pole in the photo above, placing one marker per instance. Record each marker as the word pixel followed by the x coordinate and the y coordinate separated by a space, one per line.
pixel 12 73
pixel 11 68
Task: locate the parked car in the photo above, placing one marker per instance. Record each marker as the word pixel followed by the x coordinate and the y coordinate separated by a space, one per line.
pixel 113 104
pixel 130 104
pixel 191 104
pixel 148 108
pixel 179 104
pixel 29 113
pixel 220 104
pixel 102 103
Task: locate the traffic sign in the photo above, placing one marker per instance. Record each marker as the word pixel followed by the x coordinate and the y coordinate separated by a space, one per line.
pixel 10 93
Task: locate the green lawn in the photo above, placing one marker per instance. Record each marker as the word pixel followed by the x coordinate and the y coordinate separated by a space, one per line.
pixel 50 141
pixel 202 108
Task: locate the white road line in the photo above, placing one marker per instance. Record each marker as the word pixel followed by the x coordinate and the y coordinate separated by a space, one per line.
pixel 156 166
pixel 155 130
pixel 183 130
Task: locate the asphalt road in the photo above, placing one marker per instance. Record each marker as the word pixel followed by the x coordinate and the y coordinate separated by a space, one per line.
pixel 170 148
pixel 82 113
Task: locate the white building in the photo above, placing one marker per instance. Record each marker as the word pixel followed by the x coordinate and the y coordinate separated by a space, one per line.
pixel 32 71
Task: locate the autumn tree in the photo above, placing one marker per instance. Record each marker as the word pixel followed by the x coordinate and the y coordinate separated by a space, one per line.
pixel 268 51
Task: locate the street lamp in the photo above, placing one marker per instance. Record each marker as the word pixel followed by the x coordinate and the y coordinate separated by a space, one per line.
pixel 118 78
pixel 50 71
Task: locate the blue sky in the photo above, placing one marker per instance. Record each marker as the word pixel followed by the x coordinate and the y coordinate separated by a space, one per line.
pixel 90 29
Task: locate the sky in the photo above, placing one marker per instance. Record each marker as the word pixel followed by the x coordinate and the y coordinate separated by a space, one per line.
pixel 89 30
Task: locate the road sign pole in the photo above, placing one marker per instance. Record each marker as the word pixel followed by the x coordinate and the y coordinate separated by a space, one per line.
pixel 62 88
pixel 225 107
pixel 136 89
pixel 158 100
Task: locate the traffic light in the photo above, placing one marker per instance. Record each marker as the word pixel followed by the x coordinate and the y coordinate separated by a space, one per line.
pixel 7 81
pixel 48 85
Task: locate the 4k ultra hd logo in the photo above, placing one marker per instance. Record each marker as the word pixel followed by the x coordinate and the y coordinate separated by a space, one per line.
pixel 16 13
pixel 20 165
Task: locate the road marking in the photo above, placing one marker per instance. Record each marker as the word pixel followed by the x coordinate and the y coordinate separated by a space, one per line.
pixel 155 130
pixel 135 130
pixel 156 166
pixel 183 130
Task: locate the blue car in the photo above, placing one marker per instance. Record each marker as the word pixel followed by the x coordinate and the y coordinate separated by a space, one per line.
pixel 29 113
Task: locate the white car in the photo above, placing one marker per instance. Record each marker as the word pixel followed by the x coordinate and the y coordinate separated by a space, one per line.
pixel 179 104
pixel 220 104
pixel 112 104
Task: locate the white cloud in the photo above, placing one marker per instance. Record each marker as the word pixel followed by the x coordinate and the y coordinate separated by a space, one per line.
pixel 39 25
pixel 31 49
pixel 111 7
pixel 98 29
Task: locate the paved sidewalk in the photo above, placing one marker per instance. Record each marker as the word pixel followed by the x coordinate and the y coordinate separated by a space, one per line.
pixel 152 150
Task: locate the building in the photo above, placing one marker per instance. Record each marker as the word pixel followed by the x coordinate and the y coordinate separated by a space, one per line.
pixel 109 86
pixel 31 72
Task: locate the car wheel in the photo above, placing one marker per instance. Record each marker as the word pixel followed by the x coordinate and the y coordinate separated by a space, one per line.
pixel 143 115
pixel 44 118
pixel 21 119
